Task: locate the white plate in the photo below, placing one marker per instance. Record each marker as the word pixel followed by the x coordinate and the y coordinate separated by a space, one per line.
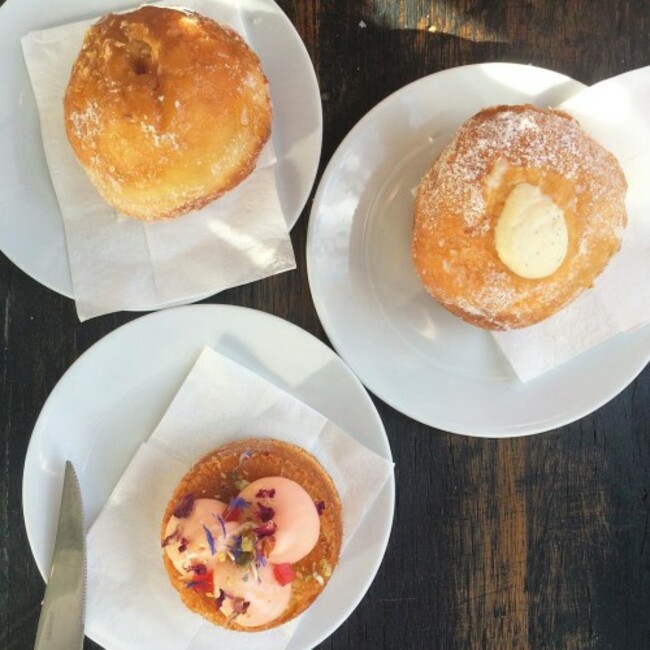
pixel 405 348
pixel 113 396
pixel 31 227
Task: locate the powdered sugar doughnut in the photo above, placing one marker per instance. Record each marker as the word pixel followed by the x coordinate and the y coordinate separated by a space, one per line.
pixel 165 110
pixel 517 216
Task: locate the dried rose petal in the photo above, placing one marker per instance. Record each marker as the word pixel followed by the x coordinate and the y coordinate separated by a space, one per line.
pixel 265 546
pixel 220 598
pixel 171 538
pixel 184 507
pixel 266 530
pixel 265 513
pixel 203 583
pixel 265 494
pixel 199 569
pixel 240 605
pixel 320 506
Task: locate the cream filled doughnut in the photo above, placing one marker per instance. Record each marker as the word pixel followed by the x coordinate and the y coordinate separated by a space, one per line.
pixel 252 533
pixel 517 216
pixel 165 110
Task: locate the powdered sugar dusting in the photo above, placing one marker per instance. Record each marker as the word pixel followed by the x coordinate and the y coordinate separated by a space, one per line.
pixel 159 139
pixel 493 292
pixel 526 140
pixel 86 123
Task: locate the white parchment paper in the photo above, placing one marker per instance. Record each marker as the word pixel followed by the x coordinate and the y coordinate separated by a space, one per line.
pixel 118 263
pixel 131 603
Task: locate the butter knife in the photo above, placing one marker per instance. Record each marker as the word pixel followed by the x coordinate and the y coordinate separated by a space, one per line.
pixel 61 624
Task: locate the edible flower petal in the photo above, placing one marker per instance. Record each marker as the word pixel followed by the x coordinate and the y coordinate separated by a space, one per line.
pixel 184 507
pixel 210 539
pixel 244 559
pixel 236 503
pixel 232 515
pixel 235 548
pixel 171 538
pixel 320 506
pixel 199 569
pixel 222 523
pixel 265 546
pixel 266 530
pixel 260 560
pixel 265 494
pixel 220 598
pixel 240 605
pixel 265 513
pixel 202 582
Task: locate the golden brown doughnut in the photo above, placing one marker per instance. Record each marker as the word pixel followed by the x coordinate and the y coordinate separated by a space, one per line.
pixel 165 110
pixel 461 200
pixel 222 474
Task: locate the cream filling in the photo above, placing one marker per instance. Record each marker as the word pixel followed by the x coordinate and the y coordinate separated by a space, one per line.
pixel 295 516
pixel 531 235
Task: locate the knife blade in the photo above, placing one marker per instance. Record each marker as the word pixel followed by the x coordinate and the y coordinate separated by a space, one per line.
pixel 61 624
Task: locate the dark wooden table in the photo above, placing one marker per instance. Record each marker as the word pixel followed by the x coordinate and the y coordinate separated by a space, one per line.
pixel 539 542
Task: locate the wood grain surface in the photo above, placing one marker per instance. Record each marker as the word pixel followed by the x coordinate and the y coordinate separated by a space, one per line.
pixel 538 542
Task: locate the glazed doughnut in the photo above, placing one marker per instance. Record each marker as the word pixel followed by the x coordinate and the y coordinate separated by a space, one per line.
pixel 268 494
pixel 517 216
pixel 165 110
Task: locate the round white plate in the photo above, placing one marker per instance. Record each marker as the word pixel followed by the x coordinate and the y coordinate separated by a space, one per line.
pixel 114 395
pixel 407 349
pixel 31 227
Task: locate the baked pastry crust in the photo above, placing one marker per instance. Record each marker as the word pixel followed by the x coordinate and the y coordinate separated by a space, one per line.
pixel 165 110
pixel 459 201
pixel 212 477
